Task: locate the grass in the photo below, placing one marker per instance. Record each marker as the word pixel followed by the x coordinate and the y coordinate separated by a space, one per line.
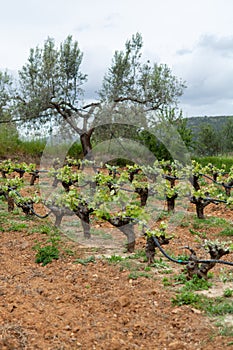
pixel 227 232
pixel 17 148
pixel 177 218
pixel 44 229
pixel 196 283
pixel 17 226
pixel 159 264
pixel 218 161
pixel 212 306
pixel 138 254
pixel 210 222
pixel 226 275
pixel 48 249
pixel 85 261
pixel 135 263
pixel 228 293
pixel 136 274
pixel 225 330
pixel 115 259
pixel 198 233
pixel 131 263
pixel 218 307
pixel 187 298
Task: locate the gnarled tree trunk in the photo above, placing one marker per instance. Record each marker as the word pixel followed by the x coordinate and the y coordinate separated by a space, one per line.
pixel 85 139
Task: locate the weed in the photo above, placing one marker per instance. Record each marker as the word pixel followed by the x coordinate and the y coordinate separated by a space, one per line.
pixel 196 283
pixel 136 274
pixel 114 259
pixel 210 274
pixel 228 293
pixel 227 232
pixel 197 225
pixel 166 282
pixel 216 222
pixel 210 222
pixel 218 306
pixel 139 254
pixel 5 214
pixel 184 224
pixel 17 212
pixel 162 215
pixel 198 233
pixel 177 219
pixel 159 263
pixel 187 298
pixel 126 264
pixel 15 226
pixel 69 252
pixel 75 224
pixel 180 279
pixel 45 254
pixel 85 261
pixel 212 306
pixel 224 329
pixel 46 229
pixel 147 268
pixel 183 257
pixel 226 276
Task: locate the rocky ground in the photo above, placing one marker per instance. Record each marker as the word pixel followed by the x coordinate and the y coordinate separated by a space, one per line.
pixel 96 304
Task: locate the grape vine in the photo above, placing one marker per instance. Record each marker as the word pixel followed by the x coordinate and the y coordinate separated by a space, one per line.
pixel 120 196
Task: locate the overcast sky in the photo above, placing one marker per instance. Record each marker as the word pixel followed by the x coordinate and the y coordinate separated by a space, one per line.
pixel 194 38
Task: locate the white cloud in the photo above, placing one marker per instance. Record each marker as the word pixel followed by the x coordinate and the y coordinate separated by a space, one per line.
pixel 195 38
pixel 222 45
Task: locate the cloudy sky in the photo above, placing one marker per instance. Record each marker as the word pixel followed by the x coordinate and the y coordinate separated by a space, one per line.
pixel 194 38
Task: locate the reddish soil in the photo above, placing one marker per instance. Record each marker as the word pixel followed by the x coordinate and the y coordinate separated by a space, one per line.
pixel 65 305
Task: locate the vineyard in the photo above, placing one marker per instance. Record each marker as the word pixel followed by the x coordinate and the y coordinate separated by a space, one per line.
pixel 75 218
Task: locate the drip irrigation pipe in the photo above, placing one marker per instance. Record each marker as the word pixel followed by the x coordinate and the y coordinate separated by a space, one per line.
pixel 30 206
pixel 180 261
pixel 185 262
pixel 216 182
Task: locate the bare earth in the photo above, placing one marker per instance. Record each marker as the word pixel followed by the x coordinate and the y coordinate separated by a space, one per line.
pixel 65 305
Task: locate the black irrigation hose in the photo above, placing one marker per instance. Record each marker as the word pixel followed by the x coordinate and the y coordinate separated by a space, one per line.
pixel 178 261
pixel 30 206
pixel 216 182
pixel 38 215
pixel 185 262
pixel 214 201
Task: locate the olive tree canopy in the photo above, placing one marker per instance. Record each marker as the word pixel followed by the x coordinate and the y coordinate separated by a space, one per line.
pixel 51 87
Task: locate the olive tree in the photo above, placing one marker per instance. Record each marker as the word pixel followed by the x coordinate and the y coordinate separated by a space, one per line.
pixel 51 87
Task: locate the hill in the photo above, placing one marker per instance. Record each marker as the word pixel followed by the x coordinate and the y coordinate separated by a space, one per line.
pixel 194 123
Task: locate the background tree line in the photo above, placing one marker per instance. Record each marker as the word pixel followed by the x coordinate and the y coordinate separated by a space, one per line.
pixel 212 135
